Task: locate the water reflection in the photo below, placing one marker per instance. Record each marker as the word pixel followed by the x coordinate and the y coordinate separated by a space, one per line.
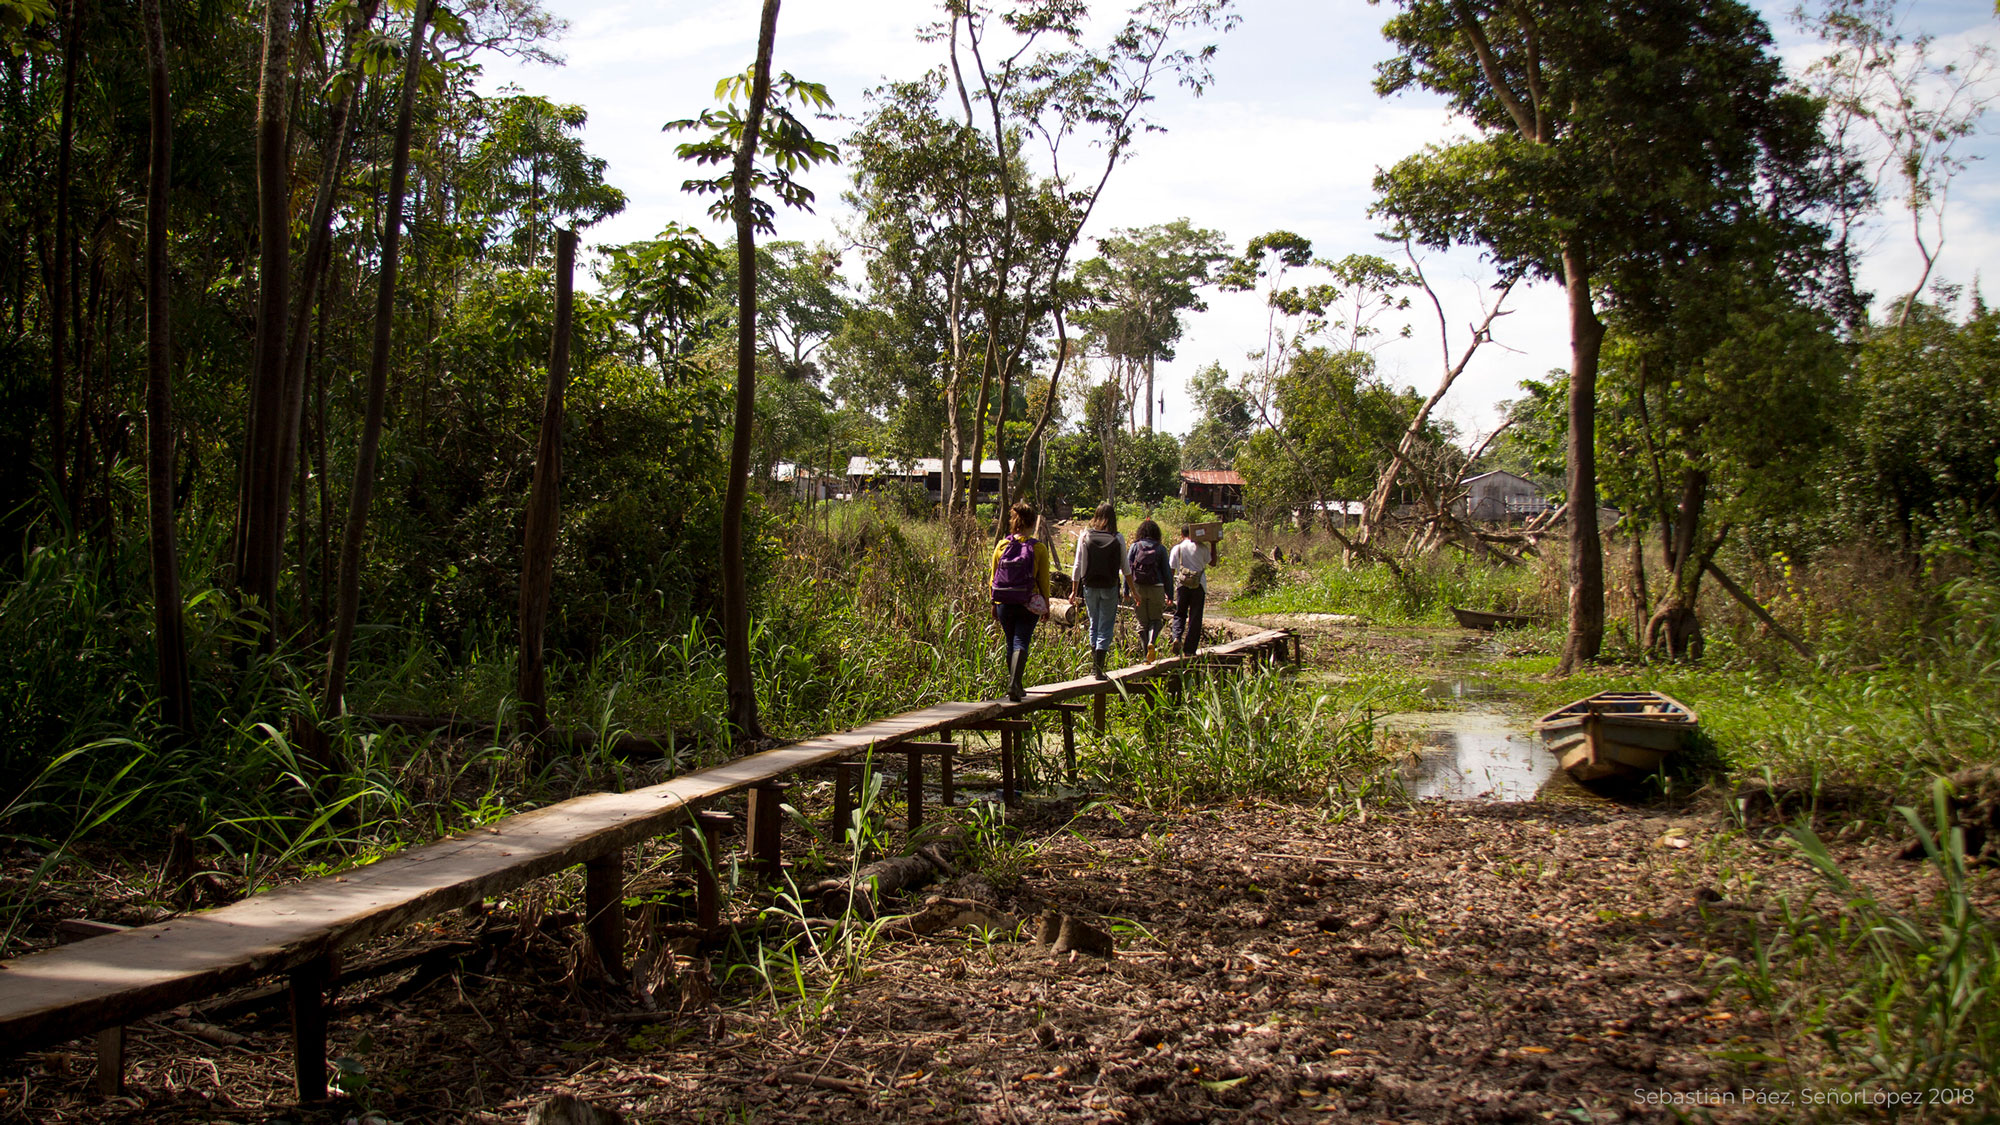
pixel 1471 756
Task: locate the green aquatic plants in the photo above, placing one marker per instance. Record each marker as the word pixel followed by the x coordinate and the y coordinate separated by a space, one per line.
pixel 1232 733
pixel 1880 999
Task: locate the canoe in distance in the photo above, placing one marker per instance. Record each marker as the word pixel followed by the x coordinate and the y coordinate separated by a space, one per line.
pixel 1485 619
pixel 1617 733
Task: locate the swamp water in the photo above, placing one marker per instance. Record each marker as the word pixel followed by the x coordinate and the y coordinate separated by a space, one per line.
pixel 1487 750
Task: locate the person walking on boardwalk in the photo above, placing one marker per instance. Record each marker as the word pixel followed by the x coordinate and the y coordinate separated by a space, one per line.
pixel 1189 562
pixel 1020 592
pixel 1146 562
pixel 1095 576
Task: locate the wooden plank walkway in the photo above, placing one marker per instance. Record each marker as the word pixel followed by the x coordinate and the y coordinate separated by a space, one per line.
pixel 105 982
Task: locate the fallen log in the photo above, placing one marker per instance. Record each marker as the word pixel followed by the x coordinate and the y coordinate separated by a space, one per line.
pixel 884 878
pixel 1761 613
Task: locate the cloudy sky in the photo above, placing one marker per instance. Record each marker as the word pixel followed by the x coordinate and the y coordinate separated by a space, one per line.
pixel 1289 137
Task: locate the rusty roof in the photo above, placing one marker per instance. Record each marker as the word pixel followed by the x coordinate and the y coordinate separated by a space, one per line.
pixel 1212 476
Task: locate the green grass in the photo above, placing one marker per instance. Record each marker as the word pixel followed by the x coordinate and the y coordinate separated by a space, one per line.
pixel 1431 586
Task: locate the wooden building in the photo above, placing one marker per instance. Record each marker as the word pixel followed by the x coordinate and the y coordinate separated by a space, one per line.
pixel 1502 497
pixel 1218 490
pixel 926 472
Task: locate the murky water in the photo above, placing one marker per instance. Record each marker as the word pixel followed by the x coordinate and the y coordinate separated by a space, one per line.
pixel 1472 756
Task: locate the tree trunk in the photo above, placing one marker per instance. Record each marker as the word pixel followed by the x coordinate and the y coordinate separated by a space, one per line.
pixel 169 630
pixel 1676 625
pixel 348 606
pixel 1586 552
pixel 743 722
pixel 1149 393
pixel 538 549
pixel 257 541
pixel 319 242
pixel 59 295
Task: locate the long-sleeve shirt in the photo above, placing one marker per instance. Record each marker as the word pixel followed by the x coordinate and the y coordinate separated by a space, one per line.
pixel 1118 546
pixel 1190 555
pixel 1041 562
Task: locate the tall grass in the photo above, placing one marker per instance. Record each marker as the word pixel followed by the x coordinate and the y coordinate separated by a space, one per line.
pixel 1430 586
pixel 1234 733
pixel 1879 1003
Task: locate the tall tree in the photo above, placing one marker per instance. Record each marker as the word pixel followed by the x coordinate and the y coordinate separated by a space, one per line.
pixel 1613 139
pixel 538 545
pixel 348 607
pixel 1140 283
pixel 169 628
pixel 787 146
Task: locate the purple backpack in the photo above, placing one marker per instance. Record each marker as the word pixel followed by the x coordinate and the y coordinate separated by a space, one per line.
pixel 1014 574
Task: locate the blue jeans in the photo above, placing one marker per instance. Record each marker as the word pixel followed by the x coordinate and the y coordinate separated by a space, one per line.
pixel 1016 623
pixel 1102 604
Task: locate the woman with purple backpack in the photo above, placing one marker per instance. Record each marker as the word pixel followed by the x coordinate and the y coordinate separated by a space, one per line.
pixel 1020 592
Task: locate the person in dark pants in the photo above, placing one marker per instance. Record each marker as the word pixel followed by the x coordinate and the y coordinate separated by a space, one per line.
pixel 1020 592
pixel 1147 563
pixel 1189 561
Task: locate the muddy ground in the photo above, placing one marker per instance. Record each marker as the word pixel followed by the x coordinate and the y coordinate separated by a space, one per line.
pixel 1445 962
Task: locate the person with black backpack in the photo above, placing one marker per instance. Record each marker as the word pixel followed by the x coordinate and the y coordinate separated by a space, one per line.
pixel 1096 574
pixel 1146 562
pixel 1020 592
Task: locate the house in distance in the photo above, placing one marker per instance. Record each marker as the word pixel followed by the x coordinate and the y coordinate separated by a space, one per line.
pixel 1501 497
pixel 1218 490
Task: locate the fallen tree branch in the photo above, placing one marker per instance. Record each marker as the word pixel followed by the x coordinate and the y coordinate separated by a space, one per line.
pixel 1763 615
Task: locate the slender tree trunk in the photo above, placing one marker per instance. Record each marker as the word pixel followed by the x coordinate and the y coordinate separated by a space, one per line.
pixel 348 606
pixel 257 544
pixel 1586 551
pixel 1035 439
pixel 735 583
pixel 1149 393
pixel 169 631
pixel 538 548
pixel 59 295
pixel 319 242
pixel 1676 625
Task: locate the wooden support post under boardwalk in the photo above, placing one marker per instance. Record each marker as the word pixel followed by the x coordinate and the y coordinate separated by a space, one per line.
pixel 1097 714
pixel 846 783
pixel 1069 713
pixel 766 820
pixel 943 752
pixel 1009 790
pixel 307 984
pixel 913 789
pixel 702 844
pixel 111 1062
pixel 604 909
pixel 1008 728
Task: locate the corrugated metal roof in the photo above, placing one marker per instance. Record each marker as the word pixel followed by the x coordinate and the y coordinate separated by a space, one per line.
pixel 922 466
pixel 1212 476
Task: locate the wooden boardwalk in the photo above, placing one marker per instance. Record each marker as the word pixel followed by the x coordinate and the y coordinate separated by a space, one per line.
pixel 98 985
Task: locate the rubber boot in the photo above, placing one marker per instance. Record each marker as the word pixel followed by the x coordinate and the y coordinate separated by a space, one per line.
pixel 1097 656
pixel 1017 666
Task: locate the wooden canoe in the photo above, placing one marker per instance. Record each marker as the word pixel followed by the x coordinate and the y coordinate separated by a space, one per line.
pixel 1617 733
pixel 1483 619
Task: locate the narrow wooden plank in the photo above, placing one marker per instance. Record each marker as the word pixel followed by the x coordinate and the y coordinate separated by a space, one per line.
pixel 75 990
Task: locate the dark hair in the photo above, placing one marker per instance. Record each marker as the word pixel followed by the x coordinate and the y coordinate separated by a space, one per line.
pixel 1105 518
pixel 1187 531
pixel 1023 518
pixel 1148 530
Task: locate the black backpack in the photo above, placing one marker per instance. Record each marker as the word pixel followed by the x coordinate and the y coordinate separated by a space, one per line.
pixel 1149 563
pixel 1100 558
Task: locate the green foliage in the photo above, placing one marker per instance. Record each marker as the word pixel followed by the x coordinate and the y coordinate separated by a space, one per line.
pixel 1261 733
pixel 1925 458
pixel 1894 999
pixel 1432 585
pixel 785 145
pixel 1336 423
pixel 1223 421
